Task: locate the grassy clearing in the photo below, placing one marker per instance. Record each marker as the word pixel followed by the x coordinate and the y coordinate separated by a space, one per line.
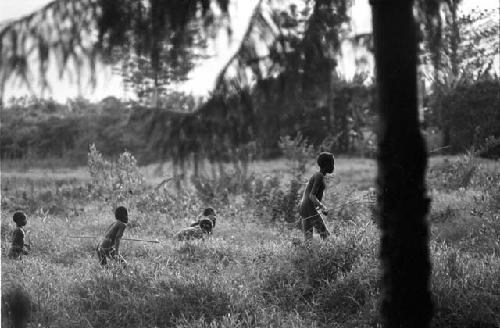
pixel 253 271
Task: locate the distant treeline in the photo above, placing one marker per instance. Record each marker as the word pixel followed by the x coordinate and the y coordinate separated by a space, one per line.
pixel 228 128
pixel 36 129
pixel 222 128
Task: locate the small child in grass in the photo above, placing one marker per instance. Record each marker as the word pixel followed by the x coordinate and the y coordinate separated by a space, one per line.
pixel 201 227
pixel 207 221
pixel 109 248
pixel 18 247
pixel 311 199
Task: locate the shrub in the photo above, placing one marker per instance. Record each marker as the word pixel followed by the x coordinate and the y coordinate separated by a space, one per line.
pixel 218 187
pixel 471 113
pixel 114 181
pixel 272 204
pixel 156 201
pixel 490 148
pixel 454 174
pixel 298 150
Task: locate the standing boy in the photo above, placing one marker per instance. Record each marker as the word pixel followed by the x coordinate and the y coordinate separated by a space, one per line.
pixel 110 245
pixel 18 247
pixel 311 200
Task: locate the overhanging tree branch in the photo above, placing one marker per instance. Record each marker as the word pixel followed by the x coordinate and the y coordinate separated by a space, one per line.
pixel 81 32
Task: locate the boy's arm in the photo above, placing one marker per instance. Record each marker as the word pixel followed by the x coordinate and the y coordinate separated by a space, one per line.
pixel 27 245
pixel 317 182
pixel 197 222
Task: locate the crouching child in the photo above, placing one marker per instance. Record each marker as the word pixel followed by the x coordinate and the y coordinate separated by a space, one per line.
pixel 202 227
pixel 109 248
pixel 19 247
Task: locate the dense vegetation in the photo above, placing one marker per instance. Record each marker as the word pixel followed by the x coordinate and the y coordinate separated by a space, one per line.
pixel 36 129
pixel 33 129
pixel 471 113
pixel 251 272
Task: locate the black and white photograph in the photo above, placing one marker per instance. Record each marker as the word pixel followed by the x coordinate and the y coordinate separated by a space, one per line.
pixel 250 163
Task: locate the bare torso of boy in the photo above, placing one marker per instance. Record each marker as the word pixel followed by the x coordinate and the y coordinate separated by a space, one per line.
pixel 18 247
pixel 114 232
pixel 316 185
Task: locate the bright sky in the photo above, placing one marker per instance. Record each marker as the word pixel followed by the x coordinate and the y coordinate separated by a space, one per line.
pixel 203 76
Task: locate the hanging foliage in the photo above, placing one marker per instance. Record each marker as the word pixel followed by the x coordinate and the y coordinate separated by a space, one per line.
pixel 76 34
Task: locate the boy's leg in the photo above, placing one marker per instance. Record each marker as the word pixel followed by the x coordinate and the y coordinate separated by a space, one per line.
pixel 118 257
pixel 320 226
pixel 101 254
pixel 15 252
pixel 307 227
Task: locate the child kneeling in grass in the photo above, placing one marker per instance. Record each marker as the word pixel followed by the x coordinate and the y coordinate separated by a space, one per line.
pixel 19 248
pixel 200 228
pixel 311 199
pixel 109 248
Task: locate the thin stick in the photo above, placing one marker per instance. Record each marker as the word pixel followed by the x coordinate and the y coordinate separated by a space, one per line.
pixel 144 240
pixel 438 149
pixel 130 239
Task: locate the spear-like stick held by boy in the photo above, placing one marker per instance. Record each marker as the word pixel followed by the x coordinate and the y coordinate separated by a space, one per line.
pixel 129 239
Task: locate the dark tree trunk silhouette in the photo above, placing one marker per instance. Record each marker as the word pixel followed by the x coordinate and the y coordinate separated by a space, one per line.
pixel 402 162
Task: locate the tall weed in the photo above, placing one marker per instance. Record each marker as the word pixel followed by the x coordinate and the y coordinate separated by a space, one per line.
pixel 114 181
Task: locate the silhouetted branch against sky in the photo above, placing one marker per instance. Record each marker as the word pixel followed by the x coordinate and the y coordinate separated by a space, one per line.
pixel 77 33
pixel 76 36
pixel 72 40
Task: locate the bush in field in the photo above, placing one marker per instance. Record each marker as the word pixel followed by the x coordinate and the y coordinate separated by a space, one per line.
pixel 283 204
pixel 233 178
pixel 468 171
pixel 113 181
pixel 454 174
pixel 218 187
pixel 490 148
pixel 489 186
pixel 299 151
pixel 471 113
pixel 263 196
pixel 158 200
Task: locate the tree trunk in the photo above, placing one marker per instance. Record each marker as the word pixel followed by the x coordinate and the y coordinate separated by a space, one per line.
pixel 455 36
pixel 196 162
pixel 402 162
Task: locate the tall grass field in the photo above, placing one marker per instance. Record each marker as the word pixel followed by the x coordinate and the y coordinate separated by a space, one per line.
pixel 254 270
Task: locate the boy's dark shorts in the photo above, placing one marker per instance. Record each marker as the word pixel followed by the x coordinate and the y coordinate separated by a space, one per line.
pixel 108 253
pixel 317 222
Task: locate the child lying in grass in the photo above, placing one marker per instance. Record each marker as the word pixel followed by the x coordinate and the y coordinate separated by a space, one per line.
pixel 200 228
pixel 18 247
pixel 109 248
